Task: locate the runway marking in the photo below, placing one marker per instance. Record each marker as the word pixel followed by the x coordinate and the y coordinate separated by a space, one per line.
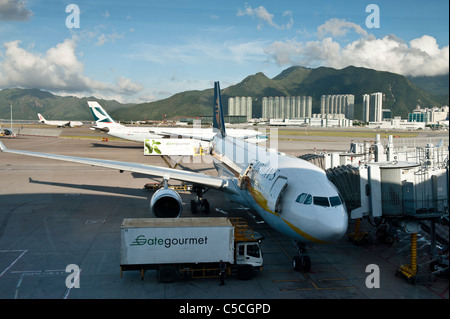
pixel 33 273
pixel 332 279
pixel 95 221
pixel 40 272
pixel 14 262
pixel 307 278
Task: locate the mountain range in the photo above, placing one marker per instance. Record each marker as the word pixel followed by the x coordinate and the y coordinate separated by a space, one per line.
pixel 402 95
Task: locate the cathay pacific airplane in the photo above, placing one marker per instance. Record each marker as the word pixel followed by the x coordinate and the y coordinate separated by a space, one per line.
pixel 105 123
pixel 59 123
pixel 293 196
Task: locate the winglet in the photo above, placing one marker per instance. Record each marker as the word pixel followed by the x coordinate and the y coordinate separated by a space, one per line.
pixel 2 147
pixel 218 122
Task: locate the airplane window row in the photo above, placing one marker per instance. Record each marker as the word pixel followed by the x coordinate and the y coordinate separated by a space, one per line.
pixel 307 199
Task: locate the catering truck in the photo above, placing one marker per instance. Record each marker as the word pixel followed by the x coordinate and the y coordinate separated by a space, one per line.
pixel 190 247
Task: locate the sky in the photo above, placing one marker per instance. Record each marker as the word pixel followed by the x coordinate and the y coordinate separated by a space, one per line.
pixel 142 51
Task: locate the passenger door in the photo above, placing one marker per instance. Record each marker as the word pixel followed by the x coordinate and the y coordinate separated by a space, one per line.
pixel 276 190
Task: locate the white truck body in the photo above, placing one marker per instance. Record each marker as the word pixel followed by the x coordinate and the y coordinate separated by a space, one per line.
pixel 176 241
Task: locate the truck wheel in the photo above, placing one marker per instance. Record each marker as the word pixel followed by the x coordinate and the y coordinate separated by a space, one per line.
pixel 167 275
pixel 245 272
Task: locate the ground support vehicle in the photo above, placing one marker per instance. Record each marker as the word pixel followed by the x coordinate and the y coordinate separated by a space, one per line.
pixel 190 247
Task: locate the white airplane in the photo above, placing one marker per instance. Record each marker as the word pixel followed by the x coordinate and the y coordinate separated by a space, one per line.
pixel 105 123
pixel 293 196
pixel 59 123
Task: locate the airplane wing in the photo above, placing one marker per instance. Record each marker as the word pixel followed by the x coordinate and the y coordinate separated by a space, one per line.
pixel 202 137
pixel 208 137
pixel 166 173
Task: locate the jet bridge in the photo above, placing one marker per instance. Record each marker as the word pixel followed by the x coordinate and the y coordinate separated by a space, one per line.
pixel 394 189
pixel 397 196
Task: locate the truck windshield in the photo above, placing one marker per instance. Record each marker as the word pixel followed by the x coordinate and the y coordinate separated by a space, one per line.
pixel 253 250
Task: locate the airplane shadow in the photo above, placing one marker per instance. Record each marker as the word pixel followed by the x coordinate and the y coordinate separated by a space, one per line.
pixel 185 168
pixel 106 189
pixel 140 175
pixel 116 146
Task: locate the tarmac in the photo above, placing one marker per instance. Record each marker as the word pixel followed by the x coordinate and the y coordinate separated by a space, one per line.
pixel 60 224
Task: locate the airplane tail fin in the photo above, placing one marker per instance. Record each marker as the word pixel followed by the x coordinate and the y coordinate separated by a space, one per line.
pixel 41 118
pixel 218 122
pixel 101 117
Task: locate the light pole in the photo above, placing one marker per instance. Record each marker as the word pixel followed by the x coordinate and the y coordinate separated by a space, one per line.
pixel 10 105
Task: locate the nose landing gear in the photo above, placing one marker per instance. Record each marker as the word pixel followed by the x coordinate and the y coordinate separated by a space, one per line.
pixel 301 262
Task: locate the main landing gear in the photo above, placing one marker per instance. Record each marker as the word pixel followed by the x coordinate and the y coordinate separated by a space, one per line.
pixel 200 204
pixel 301 262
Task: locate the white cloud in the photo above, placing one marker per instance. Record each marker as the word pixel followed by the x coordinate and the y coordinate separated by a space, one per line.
pixel 112 37
pixel 14 10
pixel 339 27
pixel 419 57
pixel 58 70
pixel 200 51
pixel 127 87
pixel 264 17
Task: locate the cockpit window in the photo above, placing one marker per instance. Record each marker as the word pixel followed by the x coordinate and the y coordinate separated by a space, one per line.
pixel 335 201
pixel 308 200
pixel 304 198
pixel 321 201
pixel 301 198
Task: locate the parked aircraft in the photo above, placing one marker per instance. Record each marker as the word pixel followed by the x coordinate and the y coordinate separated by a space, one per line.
pixel 293 196
pixel 105 123
pixel 59 123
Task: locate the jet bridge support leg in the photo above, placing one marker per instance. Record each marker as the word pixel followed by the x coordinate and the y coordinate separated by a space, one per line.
pixel 410 271
pixel 359 237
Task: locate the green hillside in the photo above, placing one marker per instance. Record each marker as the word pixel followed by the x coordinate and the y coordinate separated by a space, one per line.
pixel 189 103
pixel 401 95
pixel 28 102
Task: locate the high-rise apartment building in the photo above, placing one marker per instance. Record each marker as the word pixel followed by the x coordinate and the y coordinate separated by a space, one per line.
pixel 286 107
pixel 240 106
pixel 338 104
pixel 373 107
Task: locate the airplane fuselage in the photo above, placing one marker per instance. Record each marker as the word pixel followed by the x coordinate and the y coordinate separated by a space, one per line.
pixel 139 134
pixel 291 195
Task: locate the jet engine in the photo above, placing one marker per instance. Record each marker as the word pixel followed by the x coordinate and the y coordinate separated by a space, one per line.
pixel 166 203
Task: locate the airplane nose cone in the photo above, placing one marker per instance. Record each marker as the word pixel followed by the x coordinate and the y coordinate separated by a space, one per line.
pixel 339 230
pixel 336 227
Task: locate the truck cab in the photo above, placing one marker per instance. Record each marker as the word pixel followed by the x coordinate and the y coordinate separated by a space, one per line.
pixel 249 253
